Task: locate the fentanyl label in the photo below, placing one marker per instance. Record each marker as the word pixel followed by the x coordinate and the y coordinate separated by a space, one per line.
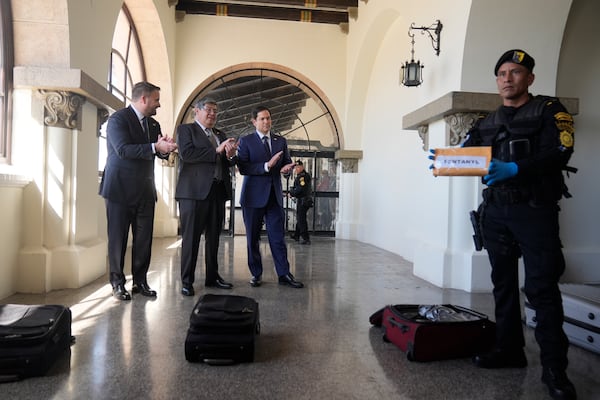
pixel 463 161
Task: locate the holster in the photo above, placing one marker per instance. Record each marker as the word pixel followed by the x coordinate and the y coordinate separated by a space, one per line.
pixel 477 236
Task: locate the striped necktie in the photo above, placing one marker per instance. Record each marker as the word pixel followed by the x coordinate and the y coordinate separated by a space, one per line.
pixel 211 137
pixel 218 166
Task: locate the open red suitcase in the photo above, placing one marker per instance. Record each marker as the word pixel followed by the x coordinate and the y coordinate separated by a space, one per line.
pixel 423 339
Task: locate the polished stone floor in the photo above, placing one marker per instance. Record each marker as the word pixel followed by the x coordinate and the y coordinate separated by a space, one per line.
pixel 316 343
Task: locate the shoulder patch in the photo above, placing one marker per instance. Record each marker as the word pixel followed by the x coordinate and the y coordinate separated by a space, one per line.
pixel 302 183
pixel 566 139
pixel 563 117
pixel 564 123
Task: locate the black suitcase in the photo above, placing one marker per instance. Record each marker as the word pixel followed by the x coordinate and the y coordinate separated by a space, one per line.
pixel 222 330
pixel 444 331
pixel 32 338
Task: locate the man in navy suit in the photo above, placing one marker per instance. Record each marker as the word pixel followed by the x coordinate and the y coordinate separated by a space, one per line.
pixel 133 140
pixel 261 158
pixel 203 187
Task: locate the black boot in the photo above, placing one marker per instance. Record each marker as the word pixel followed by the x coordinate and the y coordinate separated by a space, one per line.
pixel 559 385
pixel 501 359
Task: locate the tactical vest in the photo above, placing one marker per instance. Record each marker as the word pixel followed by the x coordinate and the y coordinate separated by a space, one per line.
pixel 496 130
pixel 518 138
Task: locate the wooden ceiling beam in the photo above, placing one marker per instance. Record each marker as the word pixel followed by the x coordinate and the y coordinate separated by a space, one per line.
pixel 304 14
pixel 337 4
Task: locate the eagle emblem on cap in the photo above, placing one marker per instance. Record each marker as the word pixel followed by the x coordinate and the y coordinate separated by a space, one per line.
pixel 518 57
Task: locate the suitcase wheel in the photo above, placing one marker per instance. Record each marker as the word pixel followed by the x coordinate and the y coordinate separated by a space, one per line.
pixel 385 339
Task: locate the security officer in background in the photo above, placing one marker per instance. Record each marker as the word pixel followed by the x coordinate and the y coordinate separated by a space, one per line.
pixel 302 191
pixel 532 141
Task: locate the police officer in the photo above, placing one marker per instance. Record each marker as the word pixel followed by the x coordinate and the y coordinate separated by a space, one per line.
pixel 302 191
pixel 532 140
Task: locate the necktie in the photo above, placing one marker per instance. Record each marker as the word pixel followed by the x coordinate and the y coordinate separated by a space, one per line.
pixel 145 127
pixel 211 137
pixel 218 167
pixel 265 140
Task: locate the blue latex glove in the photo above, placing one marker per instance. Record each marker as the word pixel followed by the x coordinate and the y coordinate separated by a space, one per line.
pixel 431 157
pixel 500 171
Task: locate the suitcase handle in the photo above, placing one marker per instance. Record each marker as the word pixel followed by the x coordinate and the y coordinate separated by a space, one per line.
pixel 469 311
pixel 403 328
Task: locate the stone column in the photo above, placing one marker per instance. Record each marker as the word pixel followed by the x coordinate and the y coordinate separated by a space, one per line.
pixel 346 225
pixel 66 251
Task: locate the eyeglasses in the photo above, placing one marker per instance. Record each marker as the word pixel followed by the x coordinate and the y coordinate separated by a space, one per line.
pixel 210 110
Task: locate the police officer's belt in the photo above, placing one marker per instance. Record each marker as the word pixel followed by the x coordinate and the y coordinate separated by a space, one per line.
pixel 506 195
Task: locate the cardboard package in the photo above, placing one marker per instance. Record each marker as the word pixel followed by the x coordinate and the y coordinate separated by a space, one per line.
pixel 462 161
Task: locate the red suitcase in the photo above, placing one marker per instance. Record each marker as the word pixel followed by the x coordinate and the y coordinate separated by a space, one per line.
pixel 460 333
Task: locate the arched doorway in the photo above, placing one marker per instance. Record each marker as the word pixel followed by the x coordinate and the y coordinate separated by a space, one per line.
pixel 301 113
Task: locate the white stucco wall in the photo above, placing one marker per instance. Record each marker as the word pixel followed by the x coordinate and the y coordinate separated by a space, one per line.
pixel 398 193
pixel 578 77
pixel 206 45
pixel 494 27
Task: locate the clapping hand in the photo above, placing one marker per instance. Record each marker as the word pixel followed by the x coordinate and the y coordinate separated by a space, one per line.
pixel 288 168
pixel 227 146
pixel 165 145
pixel 271 163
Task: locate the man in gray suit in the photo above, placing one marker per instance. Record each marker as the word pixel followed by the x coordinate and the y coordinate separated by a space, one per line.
pixel 133 139
pixel 203 187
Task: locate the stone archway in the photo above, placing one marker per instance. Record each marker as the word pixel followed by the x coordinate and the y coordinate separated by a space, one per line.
pixel 315 124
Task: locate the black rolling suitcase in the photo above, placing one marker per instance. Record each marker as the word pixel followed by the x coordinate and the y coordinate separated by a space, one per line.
pixel 222 330
pixel 32 338
pixel 437 332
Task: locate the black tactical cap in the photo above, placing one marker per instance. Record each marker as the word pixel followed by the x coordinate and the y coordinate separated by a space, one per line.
pixel 518 57
pixel 299 162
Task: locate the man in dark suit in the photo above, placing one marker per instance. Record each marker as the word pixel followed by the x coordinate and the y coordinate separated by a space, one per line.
pixel 133 140
pixel 261 158
pixel 203 187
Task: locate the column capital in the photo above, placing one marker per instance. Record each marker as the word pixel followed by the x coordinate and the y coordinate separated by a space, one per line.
pixel 349 160
pixel 62 108
pixel 459 124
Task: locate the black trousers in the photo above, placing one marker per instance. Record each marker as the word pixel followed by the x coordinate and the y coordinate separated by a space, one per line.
pixel 198 217
pixel 511 230
pixel 121 217
pixel 301 222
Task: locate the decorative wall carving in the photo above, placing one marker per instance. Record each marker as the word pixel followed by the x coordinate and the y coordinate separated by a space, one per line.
pixel 62 108
pixel 423 130
pixel 101 119
pixel 459 124
pixel 349 166
pixel 349 160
